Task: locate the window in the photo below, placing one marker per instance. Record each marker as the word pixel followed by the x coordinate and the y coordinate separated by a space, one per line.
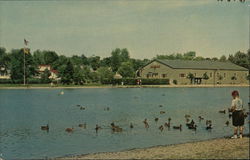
pixel 211 74
pixel 224 75
pixel 164 75
pixel 182 75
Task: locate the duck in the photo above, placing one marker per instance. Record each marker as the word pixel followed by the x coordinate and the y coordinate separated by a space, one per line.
pixel 167 125
pixel 131 125
pixel 227 123
pixel 169 119
pixel 162 112
pixel 192 127
pixel 200 118
pixel 69 130
pixel 161 128
pixel 97 128
pixel 156 119
pixel 208 122
pixel 146 123
pixel 115 128
pixel 82 108
pixel 45 127
pixel 223 111
pixel 191 123
pixel 187 116
pixel 177 127
pixel 209 127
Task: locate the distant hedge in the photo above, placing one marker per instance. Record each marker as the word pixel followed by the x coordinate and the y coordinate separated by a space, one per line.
pixel 28 81
pixel 133 81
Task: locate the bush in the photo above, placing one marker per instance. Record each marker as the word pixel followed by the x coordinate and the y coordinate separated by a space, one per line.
pixel 5 81
pixel 155 81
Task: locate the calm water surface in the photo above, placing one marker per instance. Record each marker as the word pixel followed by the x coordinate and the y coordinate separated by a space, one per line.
pixel 23 111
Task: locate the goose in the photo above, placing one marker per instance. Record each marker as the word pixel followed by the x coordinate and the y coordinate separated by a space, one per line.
pixel 223 111
pixel 69 130
pixel 209 127
pixel 192 127
pixel 45 127
pixel 156 119
pixel 162 112
pixel 131 125
pixel 177 127
pixel 161 128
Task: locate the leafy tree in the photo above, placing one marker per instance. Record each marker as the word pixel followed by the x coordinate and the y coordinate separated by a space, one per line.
pixel 105 62
pixel 126 70
pixel 115 59
pixel 105 74
pixel 50 57
pixel 223 58
pixel 80 76
pixel 76 60
pixel 189 55
pixel 215 59
pixel 66 73
pixel 191 77
pixel 45 76
pixel 17 65
pixel 60 62
pixel 94 62
pixel 124 55
pixel 38 57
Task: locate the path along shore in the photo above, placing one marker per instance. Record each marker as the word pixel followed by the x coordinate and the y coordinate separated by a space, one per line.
pixel 222 148
pixel 123 86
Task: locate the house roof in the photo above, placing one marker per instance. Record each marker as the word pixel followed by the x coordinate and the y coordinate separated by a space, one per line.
pixel 205 64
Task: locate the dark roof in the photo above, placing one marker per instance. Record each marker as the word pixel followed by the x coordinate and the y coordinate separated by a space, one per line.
pixel 205 64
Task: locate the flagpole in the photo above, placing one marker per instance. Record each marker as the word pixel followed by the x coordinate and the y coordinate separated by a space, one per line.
pixel 24 67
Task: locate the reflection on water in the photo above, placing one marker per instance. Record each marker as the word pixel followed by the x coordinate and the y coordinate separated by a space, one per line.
pixel 23 112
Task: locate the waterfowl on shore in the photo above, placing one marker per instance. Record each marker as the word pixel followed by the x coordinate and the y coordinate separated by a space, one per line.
pixel 208 122
pixel 167 124
pixel 146 123
pixel 161 128
pixel 169 119
pixel 156 119
pixel 131 125
pixel 177 127
pixel 115 128
pixel 209 127
pixel 162 112
pixel 192 127
pixel 200 118
pixel 223 111
pixel 46 128
pixel 187 116
pixel 227 123
pixel 69 130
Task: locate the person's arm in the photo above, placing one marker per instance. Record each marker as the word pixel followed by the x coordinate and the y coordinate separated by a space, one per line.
pixel 233 106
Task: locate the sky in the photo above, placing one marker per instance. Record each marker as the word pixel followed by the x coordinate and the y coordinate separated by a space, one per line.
pixel 145 27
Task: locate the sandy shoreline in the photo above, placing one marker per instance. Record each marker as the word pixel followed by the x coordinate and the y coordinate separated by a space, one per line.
pixel 222 148
pixel 126 86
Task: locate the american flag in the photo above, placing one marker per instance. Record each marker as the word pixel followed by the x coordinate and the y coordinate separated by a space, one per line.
pixel 26 42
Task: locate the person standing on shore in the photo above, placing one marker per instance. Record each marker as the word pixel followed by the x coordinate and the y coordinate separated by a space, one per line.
pixel 238 114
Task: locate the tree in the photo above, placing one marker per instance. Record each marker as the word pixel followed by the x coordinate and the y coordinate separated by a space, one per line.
pixel 45 76
pixel 205 76
pixel 17 65
pixel 126 70
pixel 50 57
pixel 189 55
pixel 38 57
pixel 191 77
pixel 124 55
pixel 105 74
pixel 105 62
pixel 223 58
pixel 66 73
pixel 94 62
pixel 80 75
pixel 115 59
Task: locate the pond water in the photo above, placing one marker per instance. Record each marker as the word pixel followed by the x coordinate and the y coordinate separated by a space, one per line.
pixel 24 111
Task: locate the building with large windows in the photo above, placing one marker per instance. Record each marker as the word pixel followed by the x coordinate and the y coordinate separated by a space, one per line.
pixel 195 72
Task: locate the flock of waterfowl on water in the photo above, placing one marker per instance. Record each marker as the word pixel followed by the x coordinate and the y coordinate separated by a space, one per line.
pixel 190 123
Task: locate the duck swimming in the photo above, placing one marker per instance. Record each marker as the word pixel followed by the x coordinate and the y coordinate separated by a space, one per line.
pixel 45 127
pixel 177 127
pixel 69 130
pixel 223 111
